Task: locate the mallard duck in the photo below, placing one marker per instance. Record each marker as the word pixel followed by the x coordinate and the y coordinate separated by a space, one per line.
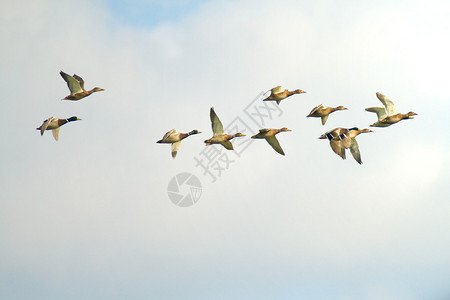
pixel 339 140
pixel 218 136
pixel 388 115
pixel 277 94
pixel 76 87
pixel 269 135
pixel 174 137
pixel 54 124
pixel 323 112
pixel 342 138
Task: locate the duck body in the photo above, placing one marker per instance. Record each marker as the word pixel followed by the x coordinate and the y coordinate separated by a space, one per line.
pixel 76 87
pixel 277 94
pixel 223 139
pixel 269 135
pixel 323 112
pixel 174 137
pixel 388 115
pixel 54 124
pixel 219 137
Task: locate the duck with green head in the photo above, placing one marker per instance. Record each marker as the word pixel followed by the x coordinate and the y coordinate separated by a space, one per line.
pixel 174 137
pixel 54 124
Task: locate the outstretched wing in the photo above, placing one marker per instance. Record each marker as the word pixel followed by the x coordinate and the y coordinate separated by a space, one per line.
pixel 276 90
pixel 354 149
pixel 272 140
pixel 72 83
pixel 324 119
pixel 228 145
pixel 175 147
pixel 80 80
pixel 381 112
pixel 315 109
pixel 390 106
pixel 56 133
pixel 168 134
pixel 45 124
pixel 217 126
pixel 338 147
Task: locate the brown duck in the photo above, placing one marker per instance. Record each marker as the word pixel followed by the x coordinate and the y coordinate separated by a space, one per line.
pixel 219 137
pixel 269 135
pixel 388 115
pixel 76 87
pixel 323 112
pixel 277 94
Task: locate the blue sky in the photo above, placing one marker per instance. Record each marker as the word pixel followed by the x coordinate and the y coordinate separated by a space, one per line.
pixel 148 14
pixel 89 216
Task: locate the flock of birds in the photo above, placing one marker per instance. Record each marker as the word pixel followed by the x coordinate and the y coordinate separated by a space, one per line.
pixel 340 138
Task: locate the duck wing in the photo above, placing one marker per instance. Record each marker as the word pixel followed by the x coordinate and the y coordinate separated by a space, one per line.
pixel 315 109
pixel 354 149
pixel 276 90
pixel 175 147
pixel 55 133
pixel 324 119
pixel 168 134
pixel 217 126
pixel 228 145
pixel 381 112
pixel 72 83
pixel 338 147
pixel 273 141
pixel 390 106
pixel 80 80
pixel 46 124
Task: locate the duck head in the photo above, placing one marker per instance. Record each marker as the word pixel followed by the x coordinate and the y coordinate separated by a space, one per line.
pixel 195 131
pixel 238 134
pixel 284 129
pixel 71 119
pixel 298 91
pixel 410 115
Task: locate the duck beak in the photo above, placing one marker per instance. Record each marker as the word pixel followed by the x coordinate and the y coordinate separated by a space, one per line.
pixel 78 119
